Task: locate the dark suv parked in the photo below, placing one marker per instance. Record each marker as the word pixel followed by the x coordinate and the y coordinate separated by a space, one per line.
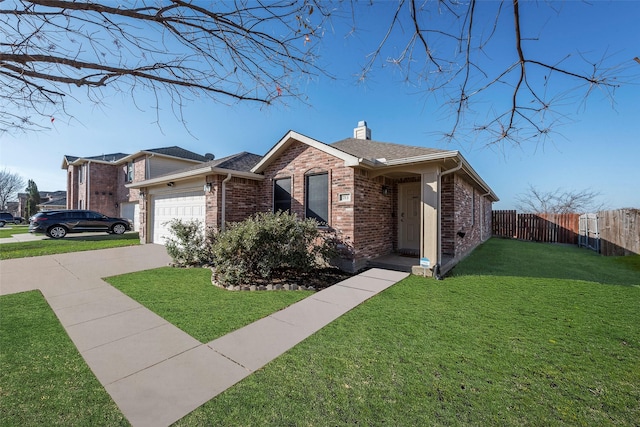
pixel 58 223
pixel 7 218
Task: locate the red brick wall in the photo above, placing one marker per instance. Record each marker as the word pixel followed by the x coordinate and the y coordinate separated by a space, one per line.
pixel 72 187
pixel 103 183
pixel 375 226
pixel 471 217
pixel 241 199
pixel 447 217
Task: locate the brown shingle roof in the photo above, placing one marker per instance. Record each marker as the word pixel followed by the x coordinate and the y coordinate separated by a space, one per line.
pixel 178 152
pixel 371 150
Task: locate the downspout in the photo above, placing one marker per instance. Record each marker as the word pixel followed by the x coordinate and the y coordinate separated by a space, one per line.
pixel 437 266
pixel 224 201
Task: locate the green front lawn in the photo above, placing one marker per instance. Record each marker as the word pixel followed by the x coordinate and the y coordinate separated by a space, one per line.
pixel 187 299
pixel 522 334
pixel 71 243
pixel 43 379
pixel 10 229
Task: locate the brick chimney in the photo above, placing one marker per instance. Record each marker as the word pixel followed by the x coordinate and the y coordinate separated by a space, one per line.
pixel 362 131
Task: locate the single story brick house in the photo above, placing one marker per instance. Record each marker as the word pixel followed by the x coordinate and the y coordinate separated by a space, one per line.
pixel 379 198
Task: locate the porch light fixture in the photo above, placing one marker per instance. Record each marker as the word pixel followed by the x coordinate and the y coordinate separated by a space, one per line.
pixel 142 193
pixel 386 190
pixel 170 184
pixel 207 187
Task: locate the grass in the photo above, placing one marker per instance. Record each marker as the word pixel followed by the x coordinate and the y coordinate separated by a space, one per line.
pixel 10 229
pixel 43 379
pixel 187 299
pixel 71 243
pixel 523 334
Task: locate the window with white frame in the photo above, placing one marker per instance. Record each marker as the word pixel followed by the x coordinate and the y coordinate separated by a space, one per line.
pixel 129 177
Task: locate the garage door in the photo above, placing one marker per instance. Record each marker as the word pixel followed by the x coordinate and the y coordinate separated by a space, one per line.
pixel 131 211
pixel 184 206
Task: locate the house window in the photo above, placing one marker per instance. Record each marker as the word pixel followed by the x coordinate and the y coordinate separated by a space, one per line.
pixel 282 195
pixel 317 197
pixel 81 174
pixel 129 177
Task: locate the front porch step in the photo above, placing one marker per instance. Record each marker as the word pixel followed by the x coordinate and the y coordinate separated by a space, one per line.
pixel 394 262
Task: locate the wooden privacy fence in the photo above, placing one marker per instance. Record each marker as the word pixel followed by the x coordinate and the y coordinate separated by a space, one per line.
pixel 549 228
pixel 617 232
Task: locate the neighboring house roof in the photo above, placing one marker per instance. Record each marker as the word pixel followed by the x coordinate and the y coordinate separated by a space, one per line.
pixel 177 152
pixel 117 158
pixel 107 158
pixel 52 203
pixel 239 164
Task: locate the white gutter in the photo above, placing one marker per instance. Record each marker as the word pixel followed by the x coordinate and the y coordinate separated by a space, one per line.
pixel 224 201
pixel 422 158
pixel 194 173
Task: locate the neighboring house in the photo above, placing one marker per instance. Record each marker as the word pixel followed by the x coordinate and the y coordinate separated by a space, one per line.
pixel 52 205
pixel 49 200
pixel 98 182
pixel 378 198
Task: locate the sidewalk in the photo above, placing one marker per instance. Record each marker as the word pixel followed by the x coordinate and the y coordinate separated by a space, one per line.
pixel 155 372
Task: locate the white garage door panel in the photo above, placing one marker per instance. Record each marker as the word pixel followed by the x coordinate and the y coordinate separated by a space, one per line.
pixel 185 206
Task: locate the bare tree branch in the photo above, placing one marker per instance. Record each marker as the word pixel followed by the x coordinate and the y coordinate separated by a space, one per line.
pixel 527 112
pixel 231 52
pixel 10 185
pixel 534 200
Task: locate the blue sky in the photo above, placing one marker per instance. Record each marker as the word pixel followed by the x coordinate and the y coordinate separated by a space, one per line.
pixel 597 148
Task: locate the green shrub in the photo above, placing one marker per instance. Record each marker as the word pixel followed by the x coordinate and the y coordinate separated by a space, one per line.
pixel 189 243
pixel 266 243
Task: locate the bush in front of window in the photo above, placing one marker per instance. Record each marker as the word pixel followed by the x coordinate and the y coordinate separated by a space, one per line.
pixel 266 244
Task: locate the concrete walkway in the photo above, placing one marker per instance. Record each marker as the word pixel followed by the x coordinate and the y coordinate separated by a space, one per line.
pixel 155 372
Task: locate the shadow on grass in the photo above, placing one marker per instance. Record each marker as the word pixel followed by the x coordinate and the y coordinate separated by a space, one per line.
pixel 96 237
pixel 504 257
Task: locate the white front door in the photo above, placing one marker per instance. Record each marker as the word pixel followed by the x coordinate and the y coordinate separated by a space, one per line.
pixel 409 217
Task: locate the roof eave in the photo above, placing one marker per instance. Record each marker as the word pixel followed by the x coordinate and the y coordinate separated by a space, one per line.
pixel 422 158
pixel 151 153
pixel 454 154
pixel 474 175
pixel 292 136
pixel 181 176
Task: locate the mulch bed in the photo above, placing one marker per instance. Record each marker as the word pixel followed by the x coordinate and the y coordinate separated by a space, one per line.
pixel 318 279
